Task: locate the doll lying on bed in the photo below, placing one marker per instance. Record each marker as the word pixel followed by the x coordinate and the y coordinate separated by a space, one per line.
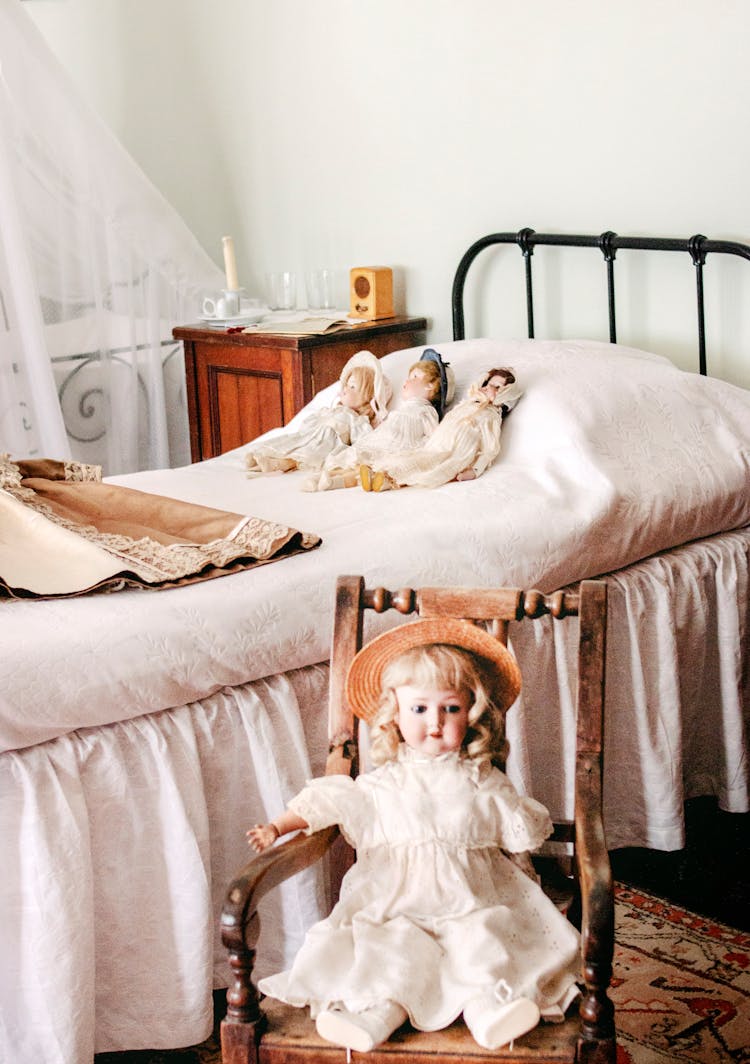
pixel 465 443
pixel 433 920
pixel 362 402
pixel 427 390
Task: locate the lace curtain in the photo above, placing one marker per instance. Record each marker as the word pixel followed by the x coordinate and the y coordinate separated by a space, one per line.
pixel 95 269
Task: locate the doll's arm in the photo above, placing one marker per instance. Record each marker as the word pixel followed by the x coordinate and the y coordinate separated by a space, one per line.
pixel 261 836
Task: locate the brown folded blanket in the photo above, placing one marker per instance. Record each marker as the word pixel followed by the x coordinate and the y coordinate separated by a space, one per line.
pixel 64 532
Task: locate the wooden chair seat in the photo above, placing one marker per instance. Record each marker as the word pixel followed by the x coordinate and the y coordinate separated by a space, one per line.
pixel 268 1032
pixel 290 1036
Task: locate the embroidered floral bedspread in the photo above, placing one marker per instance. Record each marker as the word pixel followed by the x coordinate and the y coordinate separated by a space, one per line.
pixel 611 456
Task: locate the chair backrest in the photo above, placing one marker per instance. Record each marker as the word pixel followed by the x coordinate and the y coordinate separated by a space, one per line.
pixel 494 607
pixel 497 609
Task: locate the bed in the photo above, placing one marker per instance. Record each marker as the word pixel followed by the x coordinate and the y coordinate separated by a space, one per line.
pixel 141 731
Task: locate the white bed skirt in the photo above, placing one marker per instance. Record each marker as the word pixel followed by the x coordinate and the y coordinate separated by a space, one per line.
pixel 677 695
pixel 119 841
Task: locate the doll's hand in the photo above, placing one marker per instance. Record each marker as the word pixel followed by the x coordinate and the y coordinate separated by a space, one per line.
pixel 467 474
pixel 261 836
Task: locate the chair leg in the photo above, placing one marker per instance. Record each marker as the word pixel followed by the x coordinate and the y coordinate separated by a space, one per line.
pixel 596 1043
pixel 602 1051
pixel 244 1022
pixel 239 1041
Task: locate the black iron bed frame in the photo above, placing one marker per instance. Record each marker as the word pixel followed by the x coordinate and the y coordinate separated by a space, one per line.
pixel 609 243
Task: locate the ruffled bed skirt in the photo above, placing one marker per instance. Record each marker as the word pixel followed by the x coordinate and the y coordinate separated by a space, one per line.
pixel 118 846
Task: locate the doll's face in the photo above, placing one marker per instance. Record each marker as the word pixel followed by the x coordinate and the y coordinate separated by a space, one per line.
pixel 351 394
pixel 433 722
pixel 416 386
pixel 493 386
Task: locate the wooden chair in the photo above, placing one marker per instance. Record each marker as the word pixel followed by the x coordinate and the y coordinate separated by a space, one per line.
pixel 273 1033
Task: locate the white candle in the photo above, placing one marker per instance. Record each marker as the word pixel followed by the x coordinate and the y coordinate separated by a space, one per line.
pixel 230 265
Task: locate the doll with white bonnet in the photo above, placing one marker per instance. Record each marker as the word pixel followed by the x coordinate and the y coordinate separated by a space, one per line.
pixel 464 445
pixel 434 921
pixel 364 393
pixel 425 393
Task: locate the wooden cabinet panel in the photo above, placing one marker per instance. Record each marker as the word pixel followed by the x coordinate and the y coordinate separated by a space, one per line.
pixel 240 385
pixel 241 404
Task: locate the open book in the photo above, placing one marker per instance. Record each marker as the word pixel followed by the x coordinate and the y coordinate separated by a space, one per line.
pixel 305 323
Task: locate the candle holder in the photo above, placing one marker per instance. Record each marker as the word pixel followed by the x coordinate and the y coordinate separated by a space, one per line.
pixel 227 305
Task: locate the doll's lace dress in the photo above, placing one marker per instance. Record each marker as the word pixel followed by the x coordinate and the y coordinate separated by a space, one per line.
pixel 403 430
pixel 325 432
pixel 467 437
pixel 432 914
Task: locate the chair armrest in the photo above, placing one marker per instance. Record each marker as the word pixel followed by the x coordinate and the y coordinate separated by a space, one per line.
pixel 240 925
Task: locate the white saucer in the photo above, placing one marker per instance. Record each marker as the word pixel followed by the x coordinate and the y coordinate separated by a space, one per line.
pixel 250 317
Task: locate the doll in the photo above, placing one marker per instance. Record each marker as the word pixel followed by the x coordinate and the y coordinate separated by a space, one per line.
pixel 363 399
pixel 425 392
pixel 434 920
pixel 466 442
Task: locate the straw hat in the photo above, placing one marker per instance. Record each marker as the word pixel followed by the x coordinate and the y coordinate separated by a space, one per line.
pixel 364 681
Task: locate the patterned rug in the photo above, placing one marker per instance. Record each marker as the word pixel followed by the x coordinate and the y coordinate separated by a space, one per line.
pixel 681 984
pixel 681 989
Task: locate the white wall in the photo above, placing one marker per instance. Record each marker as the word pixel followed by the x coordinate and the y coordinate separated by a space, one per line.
pixel 335 132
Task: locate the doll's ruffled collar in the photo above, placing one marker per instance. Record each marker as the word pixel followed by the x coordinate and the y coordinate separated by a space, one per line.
pixel 474 769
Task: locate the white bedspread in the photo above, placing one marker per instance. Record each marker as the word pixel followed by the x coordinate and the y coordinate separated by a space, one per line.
pixel 611 456
pixel 144 731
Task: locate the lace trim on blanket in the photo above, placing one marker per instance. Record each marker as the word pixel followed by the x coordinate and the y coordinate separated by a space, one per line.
pixel 252 537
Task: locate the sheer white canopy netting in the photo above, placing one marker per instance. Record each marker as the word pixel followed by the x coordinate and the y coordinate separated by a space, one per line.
pixel 95 269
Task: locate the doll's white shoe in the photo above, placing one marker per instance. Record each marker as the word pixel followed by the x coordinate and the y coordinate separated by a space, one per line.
pixel 494 1025
pixel 360 1031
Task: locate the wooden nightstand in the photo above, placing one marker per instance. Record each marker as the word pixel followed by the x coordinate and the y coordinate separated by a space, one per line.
pixel 239 385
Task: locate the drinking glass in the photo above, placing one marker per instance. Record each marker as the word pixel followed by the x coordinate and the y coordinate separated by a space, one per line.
pixel 281 290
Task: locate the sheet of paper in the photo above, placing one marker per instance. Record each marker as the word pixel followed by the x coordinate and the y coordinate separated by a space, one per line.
pixel 305 325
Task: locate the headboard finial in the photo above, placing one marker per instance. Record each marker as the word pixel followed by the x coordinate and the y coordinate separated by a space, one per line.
pixel 606 244
pixel 523 238
pixel 695 247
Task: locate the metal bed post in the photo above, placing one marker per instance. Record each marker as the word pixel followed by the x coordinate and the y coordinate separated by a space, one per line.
pixel 698 255
pixel 523 239
pixel 607 248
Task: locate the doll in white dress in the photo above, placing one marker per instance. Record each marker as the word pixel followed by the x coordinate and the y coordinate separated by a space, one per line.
pixel 362 402
pixel 434 920
pixel 464 445
pixel 426 391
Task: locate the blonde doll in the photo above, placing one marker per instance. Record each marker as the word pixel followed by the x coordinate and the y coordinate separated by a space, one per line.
pixel 433 919
pixel 362 400
pixel 427 389
pixel 461 448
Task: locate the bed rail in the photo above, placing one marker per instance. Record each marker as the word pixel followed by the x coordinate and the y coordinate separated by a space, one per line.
pixel 608 243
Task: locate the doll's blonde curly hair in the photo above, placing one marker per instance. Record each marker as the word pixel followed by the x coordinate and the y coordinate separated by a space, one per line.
pixel 430 371
pixel 444 667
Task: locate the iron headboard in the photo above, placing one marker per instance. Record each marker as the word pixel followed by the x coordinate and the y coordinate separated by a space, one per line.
pixel 609 244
